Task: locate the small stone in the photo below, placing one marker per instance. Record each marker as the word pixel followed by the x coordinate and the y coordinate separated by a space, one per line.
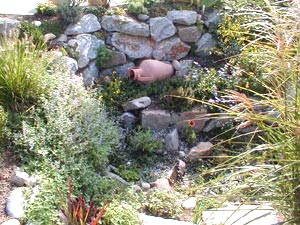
pixel 143 17
pixel 176 65
pixel 62 38
pixel 49 37
pixel 200 151
pixel 190 203
pixel 162 183
pixel 137 188
pixel 172 141
pixel 37 23
pixel 19 178
pixel 15 203
pixel 181 154
pixel 139 103
pixel 145 186
pixel 11 222
pixel 129 120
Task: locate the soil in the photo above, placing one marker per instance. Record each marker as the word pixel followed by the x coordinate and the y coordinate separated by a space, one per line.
pixel 7 163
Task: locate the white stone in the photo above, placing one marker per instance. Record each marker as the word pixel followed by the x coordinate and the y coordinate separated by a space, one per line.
pixel 190 203
pixel 139 103
pixel 49 37
pixel 15 203
pixel 11 222
pixel 87 24
pixel 172 141
pixel 145 186
pixel 37 23
pixel 62 38
pixel 244 214
pixel 161 28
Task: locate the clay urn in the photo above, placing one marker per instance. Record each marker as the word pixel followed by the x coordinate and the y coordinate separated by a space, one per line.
pixel 151 70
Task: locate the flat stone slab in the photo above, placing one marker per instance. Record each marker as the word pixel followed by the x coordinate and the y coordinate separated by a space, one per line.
pixel 244 214
pixel 152 220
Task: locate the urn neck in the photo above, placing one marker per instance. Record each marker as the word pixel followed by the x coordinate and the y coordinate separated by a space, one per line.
pixel 134 74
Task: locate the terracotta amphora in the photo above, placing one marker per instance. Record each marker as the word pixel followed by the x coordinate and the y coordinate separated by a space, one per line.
pixel 151 70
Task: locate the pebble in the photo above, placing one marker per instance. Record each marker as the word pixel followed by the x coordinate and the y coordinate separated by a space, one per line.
pixel 143 17
pixel 11 222
pixel 190 203
pixel 145 186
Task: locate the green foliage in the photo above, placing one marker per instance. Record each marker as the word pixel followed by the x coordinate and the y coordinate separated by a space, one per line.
pixel 32 31
pixel 104 55
pixel 207 3
pixel 129 173
pixel 22 74
pixel 189 135
pixel 136 7
pixel 121 213
pixel 97 11
pixel 163 203
pixel 3 121
pixel 46 9
pixel 52 26
pixel 69 11
pixel 142 141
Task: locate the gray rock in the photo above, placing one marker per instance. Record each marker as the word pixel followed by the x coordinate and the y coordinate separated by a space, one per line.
pixel 87 47
pixel 90 74
pixel 15 203
pixel 216 123
pixel 189 34
pixel 49 37
pixel 172 141
pixel 133 46
pixel 143 17
pixel 190 203
pixel 125 25
pixel 161 28
pixel 121 71
pixel 243 214
pixel 155 119
pixel 181 154
pixel 9 27
pixel 173 48
pixel 137 188
pixel 129 120
pixel 183 17
pixel 152 220
pixel 87 24
pixel 62 38
pixel 19 178
pixel 185 68
pixel 116 177
pixel 11 222
pixel 212 21
pixel 205 44
pixel 158 54
pixel 176 65
pixel 162 183
pixel 202 150
pixel 117 59
pixel 70 63
pixel 139 103
pixel 196 118
pixel 145 186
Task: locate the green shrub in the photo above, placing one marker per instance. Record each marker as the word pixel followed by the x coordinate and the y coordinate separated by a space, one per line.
pixel 104 55
pixel 97 11
pixel 69 11
pixel 163 203
pixel 3 121
pixel 67 136
pixel 121 213
pixel 54 27
pixel 142 142
pixel 22 74
pixel 29 30
pixel 46 9
pixel 136 7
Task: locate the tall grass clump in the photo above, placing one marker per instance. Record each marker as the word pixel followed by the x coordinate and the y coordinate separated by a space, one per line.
pixel 267 166
pixel 22 70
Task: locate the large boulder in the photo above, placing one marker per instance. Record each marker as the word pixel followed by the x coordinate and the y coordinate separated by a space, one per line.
pixel 155 119
pixel 184 17
pixel 86 45
pixel 125 25
pixel 172 48
pixel 133 46
pixel 118 58
pixel 8 27
pixel 87 24
pixel 161 28
pixel 189 34
pixel 205 44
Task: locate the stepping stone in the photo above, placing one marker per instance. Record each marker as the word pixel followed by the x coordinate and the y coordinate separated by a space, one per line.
pixel 152 220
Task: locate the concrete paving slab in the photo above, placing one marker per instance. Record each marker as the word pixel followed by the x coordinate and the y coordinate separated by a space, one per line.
pixel 19 7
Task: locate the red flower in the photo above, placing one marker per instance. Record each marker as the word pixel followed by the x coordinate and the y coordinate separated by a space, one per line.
pixel 192 123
